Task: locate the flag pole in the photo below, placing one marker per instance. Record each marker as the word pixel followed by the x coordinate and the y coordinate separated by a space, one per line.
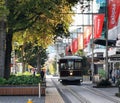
pixel 92 60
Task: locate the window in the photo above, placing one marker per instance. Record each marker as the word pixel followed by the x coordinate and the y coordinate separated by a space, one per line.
pixel 78 65
pixel 63 66
pixel 70 64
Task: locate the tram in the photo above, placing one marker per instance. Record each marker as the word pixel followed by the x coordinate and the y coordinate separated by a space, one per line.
pixel 70 69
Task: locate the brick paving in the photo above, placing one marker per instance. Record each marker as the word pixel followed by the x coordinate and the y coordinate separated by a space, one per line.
pixel 52 95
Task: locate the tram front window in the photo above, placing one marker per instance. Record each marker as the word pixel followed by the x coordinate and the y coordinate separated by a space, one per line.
pixel 78 65
pixel 63 66
pixel 70 65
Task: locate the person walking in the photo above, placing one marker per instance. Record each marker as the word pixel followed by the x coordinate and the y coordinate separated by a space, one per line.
pixel 42 74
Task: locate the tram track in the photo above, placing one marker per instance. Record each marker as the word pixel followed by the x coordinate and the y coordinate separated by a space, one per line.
pixel 79 97
pixel 74 92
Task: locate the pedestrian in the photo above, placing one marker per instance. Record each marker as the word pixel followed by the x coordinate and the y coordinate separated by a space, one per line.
pixel 33 71
pixel 113 76
pixel 110 74
pixel 42 74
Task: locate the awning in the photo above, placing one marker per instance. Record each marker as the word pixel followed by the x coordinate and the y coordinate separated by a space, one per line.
pixel 30 67
pixel 103 42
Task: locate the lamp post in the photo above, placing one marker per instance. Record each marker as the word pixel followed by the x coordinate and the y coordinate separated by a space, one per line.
pixel 67 42
pixel 58 41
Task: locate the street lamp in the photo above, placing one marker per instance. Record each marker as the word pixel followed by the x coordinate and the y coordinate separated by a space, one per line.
pixel 58 42
pixel 67 41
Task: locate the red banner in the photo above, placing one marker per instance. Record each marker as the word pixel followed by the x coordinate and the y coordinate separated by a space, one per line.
pixel 87 34
pixel 113 13
pixel 80 41
pixel 98 25
pixel 75 45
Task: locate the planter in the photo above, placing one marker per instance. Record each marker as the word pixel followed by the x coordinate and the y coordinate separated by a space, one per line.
pixel 21 90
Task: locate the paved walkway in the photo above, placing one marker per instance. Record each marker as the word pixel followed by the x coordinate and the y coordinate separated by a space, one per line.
pixel 21 99
pixel 52 95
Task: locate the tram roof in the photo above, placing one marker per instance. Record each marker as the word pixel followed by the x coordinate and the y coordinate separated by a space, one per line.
pixel 71 57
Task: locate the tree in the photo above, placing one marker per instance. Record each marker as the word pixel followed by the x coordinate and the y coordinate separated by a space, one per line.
pixel 33 47
pixel 39 16
pixel 3 14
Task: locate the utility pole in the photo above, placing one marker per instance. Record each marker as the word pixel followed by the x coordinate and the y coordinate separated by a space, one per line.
pixel 106 59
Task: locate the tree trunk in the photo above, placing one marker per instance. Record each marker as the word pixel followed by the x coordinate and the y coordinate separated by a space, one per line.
pixel 38 63
pixel 2 46
pixel 23 58
pixel 8 53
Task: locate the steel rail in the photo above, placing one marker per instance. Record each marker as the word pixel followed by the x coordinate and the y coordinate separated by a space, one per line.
pixel 79 97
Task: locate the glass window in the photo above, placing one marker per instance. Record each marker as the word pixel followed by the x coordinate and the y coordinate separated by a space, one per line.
pixel 70 64
pixel 78 65
pixel 63 66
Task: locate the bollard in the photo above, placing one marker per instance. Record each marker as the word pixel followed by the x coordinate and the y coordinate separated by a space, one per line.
pixel 29 101
pixel 39 91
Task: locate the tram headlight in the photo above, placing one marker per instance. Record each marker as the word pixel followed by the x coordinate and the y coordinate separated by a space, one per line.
pixel 71 73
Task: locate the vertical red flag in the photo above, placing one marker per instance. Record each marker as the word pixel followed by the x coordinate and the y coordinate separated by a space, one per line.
pixel 87 34
pixel 98 25
pixel 75 45
pixel 113 13
pixel 80 41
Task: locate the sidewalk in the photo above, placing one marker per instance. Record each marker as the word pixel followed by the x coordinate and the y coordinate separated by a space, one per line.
pixel 21 99
pixel 52 95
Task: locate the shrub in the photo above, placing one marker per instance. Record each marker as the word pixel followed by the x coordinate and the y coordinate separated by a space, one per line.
pixel 102 73
pixel 3 81
pixel 21 80
pixel 118 82
pixel 104 83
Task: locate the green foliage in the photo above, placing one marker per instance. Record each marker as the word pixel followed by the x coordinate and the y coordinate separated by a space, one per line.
pixel 72 2
pixel 3 9
pixel 20 80
pixel 84 61
pixel 27 73
pixel 104 83
pixel 60 30
pixel 102 73
pixel 118 82
pixel 3 81
pixel 52 68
